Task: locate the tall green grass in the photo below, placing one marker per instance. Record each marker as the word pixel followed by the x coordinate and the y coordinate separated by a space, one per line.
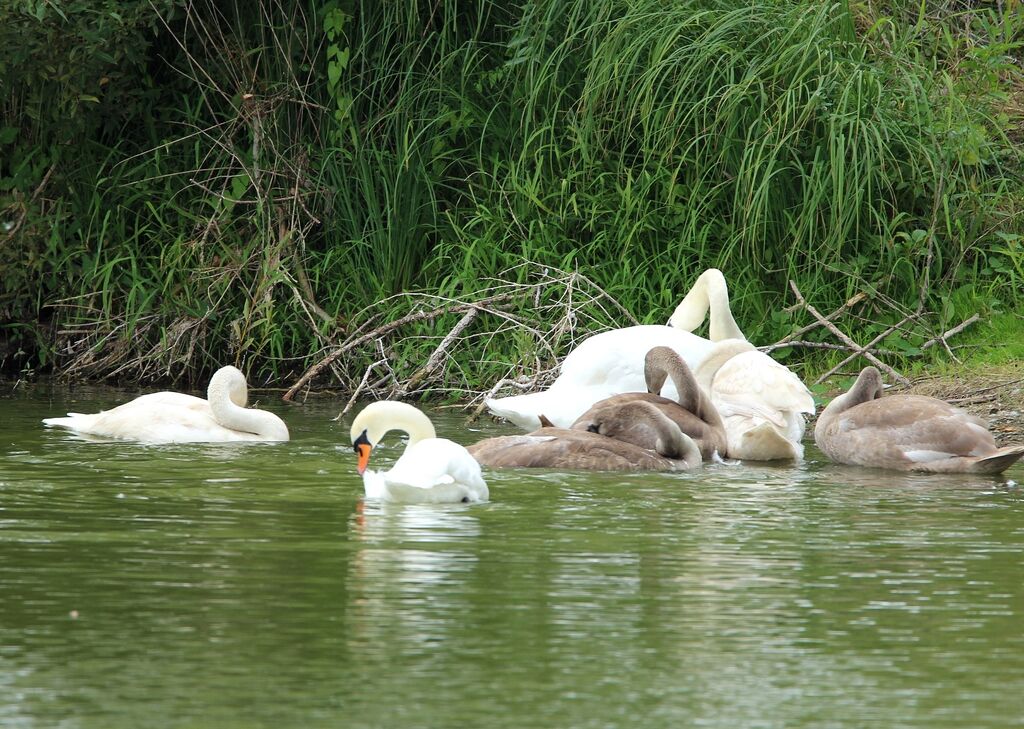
pixel 290 166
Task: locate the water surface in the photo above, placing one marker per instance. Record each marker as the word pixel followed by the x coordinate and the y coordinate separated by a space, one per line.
pixel 250 586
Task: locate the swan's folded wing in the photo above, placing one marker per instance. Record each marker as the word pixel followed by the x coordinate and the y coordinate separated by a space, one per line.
pixel 152 420
pixel 561 405
pixel 435 470
pixel 756 379
pixel 746 406
pixel 382 486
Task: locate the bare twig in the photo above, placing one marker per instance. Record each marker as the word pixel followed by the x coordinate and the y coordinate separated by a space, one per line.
pixel 850 303
pixel 844 338
pixel 359 388
pixel 24 209
pixel 869 348
pixel 818 345
pixel 403 389
pixel 951 332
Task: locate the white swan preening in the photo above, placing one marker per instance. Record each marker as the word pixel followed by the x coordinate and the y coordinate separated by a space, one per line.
pixel 761 402
pixel 907 433
pixel 174 417
pixel 430 470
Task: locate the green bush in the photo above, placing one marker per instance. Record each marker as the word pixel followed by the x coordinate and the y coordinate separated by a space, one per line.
pixel 197 183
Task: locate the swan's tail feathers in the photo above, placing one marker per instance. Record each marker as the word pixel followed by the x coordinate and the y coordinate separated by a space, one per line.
pixel 67 422
pixel 997 461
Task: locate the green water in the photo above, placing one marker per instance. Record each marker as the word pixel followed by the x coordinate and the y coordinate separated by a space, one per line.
pixel 249 586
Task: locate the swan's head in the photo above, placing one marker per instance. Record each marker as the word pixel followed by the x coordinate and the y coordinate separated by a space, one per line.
pixel 868 385
pixel 658 364
pixel 361 445
pixel 231 380
pixel 377 418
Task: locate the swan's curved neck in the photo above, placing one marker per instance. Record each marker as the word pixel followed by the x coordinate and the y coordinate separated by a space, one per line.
pixel 709 292
pixel 380 417
pixel 227 394
pixel 720 353
pixel 867 387
pixel 664 362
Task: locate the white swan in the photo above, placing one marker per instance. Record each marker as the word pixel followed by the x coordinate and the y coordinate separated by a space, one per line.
pixel 174 417
pixel 612 362
pixel 430 470
pixel 603 365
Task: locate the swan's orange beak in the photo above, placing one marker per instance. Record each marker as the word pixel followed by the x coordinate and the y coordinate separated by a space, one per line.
pixel 363 449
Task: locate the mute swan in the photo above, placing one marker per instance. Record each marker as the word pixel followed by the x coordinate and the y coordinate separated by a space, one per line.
pixel 603 365
pixel 907 433
pixel 762 422
pixel 597 450
pixel 612 362
pixel 431 470
pixel 174 417
pixel 693 412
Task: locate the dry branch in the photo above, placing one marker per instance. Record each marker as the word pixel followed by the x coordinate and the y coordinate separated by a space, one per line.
pixel 951 332
pixel 417 316
pixel 544 310
pixel 402 389
pixel 853 346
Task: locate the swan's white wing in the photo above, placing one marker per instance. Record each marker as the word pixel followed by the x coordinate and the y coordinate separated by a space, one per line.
pixel 762 383
pixel 762 404
pixel 617 356
pixel 606 364
pixel 434 470
pixel 756 439
pixel 152 419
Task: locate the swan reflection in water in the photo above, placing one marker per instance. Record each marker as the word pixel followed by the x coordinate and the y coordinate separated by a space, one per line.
pixel 407 574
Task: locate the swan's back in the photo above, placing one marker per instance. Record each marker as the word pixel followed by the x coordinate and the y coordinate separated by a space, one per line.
pixel 603 365
pixel 436 461
pixel 616 358
pixel 563 448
